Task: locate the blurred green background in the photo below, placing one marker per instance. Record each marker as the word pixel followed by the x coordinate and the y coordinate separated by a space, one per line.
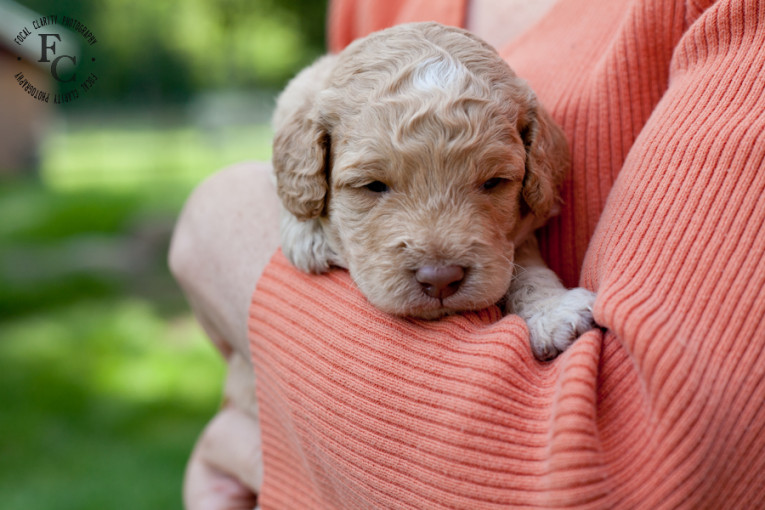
pixel 105 378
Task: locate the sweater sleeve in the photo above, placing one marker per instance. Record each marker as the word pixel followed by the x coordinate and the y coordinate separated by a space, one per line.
pixel 678 260
pixel 665 409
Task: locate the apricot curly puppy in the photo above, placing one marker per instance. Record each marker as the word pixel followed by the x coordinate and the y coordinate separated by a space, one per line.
pixel 417 160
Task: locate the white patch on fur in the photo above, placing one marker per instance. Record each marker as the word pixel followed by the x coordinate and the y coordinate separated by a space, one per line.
pixel 441 73
pixel 305 245
pixel 559 320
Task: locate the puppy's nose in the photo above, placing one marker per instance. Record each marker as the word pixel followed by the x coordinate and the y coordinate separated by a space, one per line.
pixel 440 281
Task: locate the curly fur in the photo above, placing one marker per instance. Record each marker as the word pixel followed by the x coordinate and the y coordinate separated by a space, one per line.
pixel 433 113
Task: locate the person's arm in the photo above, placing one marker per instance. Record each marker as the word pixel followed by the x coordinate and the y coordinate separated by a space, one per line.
pixel 225 469
pixel 223 239
pixel 678 260
pixel 665 411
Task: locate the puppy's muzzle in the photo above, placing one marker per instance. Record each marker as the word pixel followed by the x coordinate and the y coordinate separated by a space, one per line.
pixel 440 282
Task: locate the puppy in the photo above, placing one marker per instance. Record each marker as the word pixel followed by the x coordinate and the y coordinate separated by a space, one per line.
pixel 417 160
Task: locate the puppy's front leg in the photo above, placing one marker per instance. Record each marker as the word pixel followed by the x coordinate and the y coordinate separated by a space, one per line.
pixel 555 316
pixel 305 244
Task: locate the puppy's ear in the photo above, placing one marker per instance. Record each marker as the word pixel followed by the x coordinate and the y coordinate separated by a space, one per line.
pixel 300 159
pixel 547 160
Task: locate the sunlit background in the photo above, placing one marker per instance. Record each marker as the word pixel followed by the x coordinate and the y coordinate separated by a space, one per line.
pixel 105 378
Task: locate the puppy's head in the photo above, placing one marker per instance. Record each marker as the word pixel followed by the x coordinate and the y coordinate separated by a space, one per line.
pixel 425 160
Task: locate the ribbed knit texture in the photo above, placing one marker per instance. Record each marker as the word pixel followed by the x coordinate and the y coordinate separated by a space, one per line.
pixel 663 102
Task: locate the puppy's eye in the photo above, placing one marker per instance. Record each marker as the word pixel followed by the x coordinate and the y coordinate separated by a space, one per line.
pixel 493 183
pixel 377 187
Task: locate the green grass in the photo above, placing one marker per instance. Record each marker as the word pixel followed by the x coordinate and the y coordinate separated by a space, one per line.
pixel 102 401
pixel 119 158
pixel 106 380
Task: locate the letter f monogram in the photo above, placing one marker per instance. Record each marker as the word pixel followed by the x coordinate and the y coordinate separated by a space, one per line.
pixel 54 64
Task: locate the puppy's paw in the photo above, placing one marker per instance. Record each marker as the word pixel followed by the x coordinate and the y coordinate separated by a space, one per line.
pixel 558 320
pixel 306 246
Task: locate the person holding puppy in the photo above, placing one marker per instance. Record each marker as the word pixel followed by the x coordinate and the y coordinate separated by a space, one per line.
pixel 662 104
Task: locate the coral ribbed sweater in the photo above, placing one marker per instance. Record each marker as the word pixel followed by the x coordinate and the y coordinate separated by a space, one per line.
pixel 663 102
